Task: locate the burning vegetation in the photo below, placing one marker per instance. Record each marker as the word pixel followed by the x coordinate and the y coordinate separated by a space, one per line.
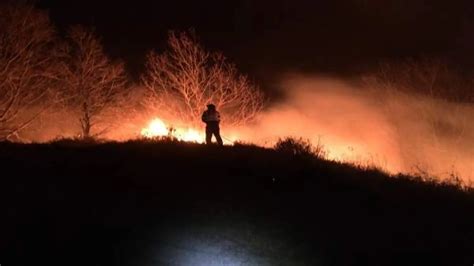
pixel 158 129
pixel 400 118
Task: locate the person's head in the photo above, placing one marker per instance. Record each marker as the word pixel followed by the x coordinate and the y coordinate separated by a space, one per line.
pixel 211 106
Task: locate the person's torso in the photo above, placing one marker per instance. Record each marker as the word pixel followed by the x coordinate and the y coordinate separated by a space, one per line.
pixel 212 116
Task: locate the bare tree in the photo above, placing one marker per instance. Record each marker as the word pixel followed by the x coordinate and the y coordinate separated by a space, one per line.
pixel 428 77
pixel 94 84
pixel 28 67
pixel 433 84
pixel 186 77
pixel 429 92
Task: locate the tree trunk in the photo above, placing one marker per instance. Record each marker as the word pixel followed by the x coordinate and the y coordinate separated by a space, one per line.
pixel 85 122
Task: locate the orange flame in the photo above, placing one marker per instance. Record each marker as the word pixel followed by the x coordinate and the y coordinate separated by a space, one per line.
pixel 158 128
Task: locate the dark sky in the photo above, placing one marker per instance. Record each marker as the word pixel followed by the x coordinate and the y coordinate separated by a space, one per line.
pixel 266 37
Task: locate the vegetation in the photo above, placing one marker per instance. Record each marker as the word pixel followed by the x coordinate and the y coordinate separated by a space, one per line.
pixel 86 201
pixel 39 70
pixel 93 83
pixel 28 67
pixel 300 147
pixel 169 203
pixel 186 77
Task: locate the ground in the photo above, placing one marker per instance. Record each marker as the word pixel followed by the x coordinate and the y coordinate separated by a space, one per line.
pixel 169 203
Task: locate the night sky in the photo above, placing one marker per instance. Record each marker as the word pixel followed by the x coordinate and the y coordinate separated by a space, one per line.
pixel 265 37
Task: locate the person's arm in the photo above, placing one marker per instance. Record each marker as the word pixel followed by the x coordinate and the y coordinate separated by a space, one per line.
pixel 204 117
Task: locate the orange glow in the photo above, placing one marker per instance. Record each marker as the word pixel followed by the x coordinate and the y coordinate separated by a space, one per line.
pixel 158 128
pixel 398 132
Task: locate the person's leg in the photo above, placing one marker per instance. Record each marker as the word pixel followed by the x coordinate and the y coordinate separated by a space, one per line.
pixel 218 136
pixel 208 135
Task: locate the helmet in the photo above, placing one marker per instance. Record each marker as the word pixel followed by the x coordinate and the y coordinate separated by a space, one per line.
pixel 211 106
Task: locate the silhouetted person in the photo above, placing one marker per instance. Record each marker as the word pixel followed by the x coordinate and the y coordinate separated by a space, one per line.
pixel 212 118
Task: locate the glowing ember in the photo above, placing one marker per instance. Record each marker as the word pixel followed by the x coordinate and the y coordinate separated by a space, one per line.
pixel 158 128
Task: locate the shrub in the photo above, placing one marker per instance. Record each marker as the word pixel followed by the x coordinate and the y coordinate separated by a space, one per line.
pixel 300 147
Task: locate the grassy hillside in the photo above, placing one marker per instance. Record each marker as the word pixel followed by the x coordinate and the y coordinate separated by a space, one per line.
pixel 144 203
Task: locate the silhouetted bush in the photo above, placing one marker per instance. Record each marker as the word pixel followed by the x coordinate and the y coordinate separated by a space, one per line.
pixel 300 147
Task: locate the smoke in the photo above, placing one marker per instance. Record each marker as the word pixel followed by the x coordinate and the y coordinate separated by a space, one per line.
pixel 361 124
pixel 366 125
